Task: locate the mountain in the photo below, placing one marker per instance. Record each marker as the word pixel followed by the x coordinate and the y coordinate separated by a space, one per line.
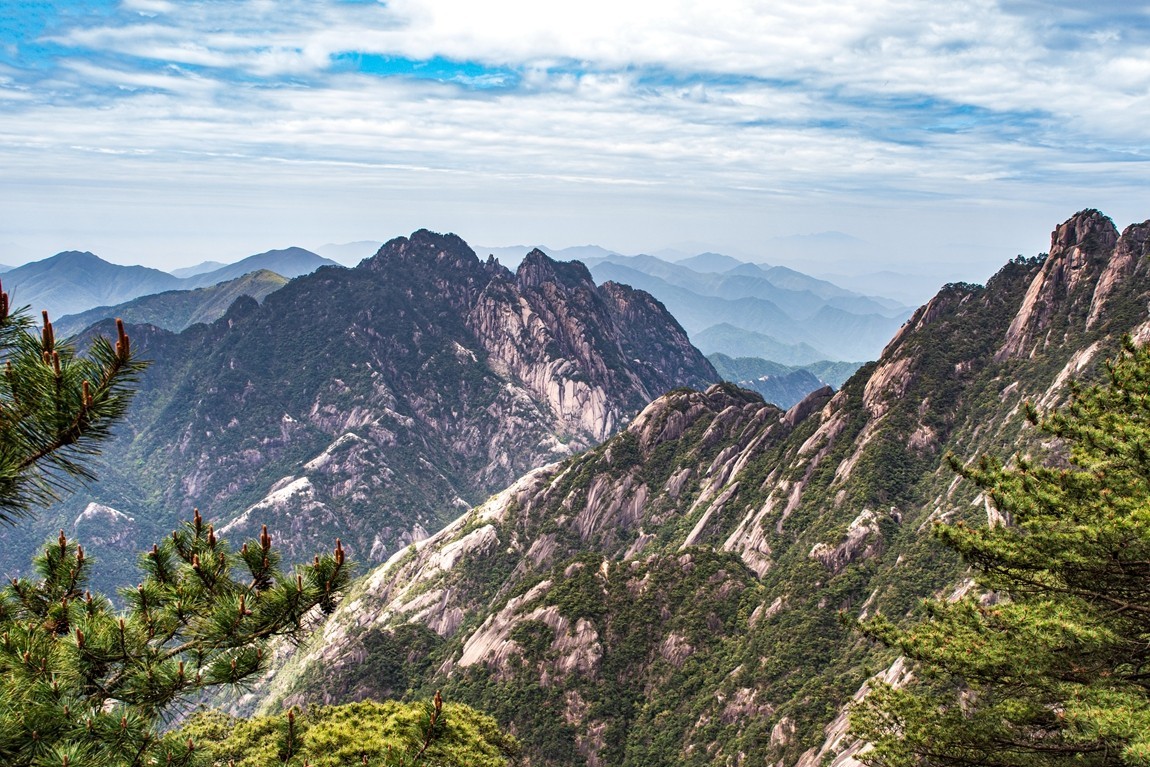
pixel 178 309
pixel 72 282
pixel 375 403
pixel 200 268
pixel 682 593
pixel 725 338
pixel 780 384
pixel 791 308
pixel 710 262
pixel 512 255
pixel 288 262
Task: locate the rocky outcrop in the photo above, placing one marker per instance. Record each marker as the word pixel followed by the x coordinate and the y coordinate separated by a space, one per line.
pixel 1080 253
pixel 102 526
pixel 806 515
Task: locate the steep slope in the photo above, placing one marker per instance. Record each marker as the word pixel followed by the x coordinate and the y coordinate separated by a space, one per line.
pixel 178 309
pixel 677 595
pixel 375 403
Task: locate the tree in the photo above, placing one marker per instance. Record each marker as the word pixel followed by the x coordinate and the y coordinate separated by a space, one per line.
pixel 1047 660
pixel 56 408
pixel 81 683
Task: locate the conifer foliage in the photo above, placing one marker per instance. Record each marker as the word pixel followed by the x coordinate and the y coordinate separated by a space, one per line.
pixel 56 407
pixel 81 684
pixel 1047 660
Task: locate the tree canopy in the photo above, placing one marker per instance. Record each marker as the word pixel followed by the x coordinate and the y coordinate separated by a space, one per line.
pixel 1046 659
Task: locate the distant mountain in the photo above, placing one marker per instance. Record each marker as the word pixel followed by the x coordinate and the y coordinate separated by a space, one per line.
pixel 176 310
pixel 779 384
pixel 683 594
pixel 710 262
pixel 288 262
pixel 903 286
pixel 72 282
pixel 200 268
pixel 374 403
pixel 727 339
pixel 790 308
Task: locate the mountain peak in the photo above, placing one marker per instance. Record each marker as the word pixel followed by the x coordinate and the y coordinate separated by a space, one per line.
pixel 538 268
pixel 75 255
pixel 427 248
pixel 1073 282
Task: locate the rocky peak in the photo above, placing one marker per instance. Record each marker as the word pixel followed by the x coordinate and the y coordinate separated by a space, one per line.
pixel 812 403
pixel 1080 252
pixel 538 269
pixel 426 250
pixel 1132 248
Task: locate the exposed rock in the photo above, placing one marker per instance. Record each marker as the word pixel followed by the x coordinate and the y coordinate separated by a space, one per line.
pixel 1080 251
pixel 100 525
pixel 401 392
pixel 863 540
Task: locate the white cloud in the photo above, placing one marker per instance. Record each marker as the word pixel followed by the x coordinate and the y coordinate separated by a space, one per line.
pixel 680 113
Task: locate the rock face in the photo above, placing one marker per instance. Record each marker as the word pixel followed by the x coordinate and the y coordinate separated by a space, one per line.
pixel 676 595
pixel 376 403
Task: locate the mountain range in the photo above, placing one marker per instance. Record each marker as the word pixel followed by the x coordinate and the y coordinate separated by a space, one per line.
pixel 682 594
pixel 373 403
pixel 178 309
pixel 74 282
pixel 744 309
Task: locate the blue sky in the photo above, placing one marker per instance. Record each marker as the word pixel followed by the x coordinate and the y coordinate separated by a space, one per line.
pixel 944 137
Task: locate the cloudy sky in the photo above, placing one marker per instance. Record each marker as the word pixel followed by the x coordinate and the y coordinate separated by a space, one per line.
pixel 942 137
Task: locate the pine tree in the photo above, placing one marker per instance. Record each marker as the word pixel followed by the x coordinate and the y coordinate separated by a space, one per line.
pixel 82 684
pixel 1047 660
pixel 56 408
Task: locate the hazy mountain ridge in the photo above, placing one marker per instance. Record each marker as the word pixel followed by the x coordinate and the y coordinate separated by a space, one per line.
pixel 801 312
pixel 673 595
pixel 374 403
pixel 72 282
pixel 780 384
pixel 178 309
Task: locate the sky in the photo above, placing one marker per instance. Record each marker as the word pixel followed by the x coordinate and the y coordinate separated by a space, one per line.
pixel 838 136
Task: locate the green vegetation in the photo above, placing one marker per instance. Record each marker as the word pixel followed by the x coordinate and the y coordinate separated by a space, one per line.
pixel 82 684
pixel 740 369
pixel 365 734
pixel 176 310
pixel 56 408
pixel 1044 662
